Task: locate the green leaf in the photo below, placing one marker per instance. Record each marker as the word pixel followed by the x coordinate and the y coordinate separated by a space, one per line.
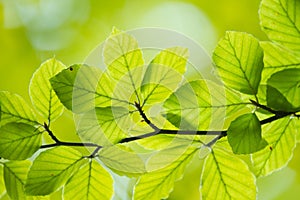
pixel 15 109
pixel 52 169
pixel 277 58
pixel 244 134
pixel 91 181
pixel 15 173
pixel 287 83
pixel 42 95
pixel 122 160
pixel 19 141
pixel 281 137
pixel 159 183
pixel 2 186
pixel 105 126
pixel 163 74
pixel 125 62
pixel 280 20
pixel 225 176
pixel 203 105
pixel 239 61
pixel 277 101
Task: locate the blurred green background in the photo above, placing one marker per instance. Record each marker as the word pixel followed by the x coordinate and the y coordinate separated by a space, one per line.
pixel 32 31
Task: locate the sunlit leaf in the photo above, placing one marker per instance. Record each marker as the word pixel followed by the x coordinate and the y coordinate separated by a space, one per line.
pixel 19 141
pixel 163 74
pixel 277 58
pixel 280 20
pixel 2 186
pixel 15 173
pixel 121 160
pixel 239 61
pixel 277 101
pixel 42 95
pixel 244 134
pixel 159 183
pixel 281 137
pixel 52 169
pixel 287 83
pixel 15 109
pixel 125 62
pixel 81 88
pixel 91 181
pixel 105 125
pixel 203 105
pixel 225 176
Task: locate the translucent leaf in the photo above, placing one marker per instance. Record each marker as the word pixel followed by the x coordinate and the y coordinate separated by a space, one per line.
pixel 158 184
pixel 239 61
pixel 15 173
pixel 287 82
pixel 2 186
pixel 277 58
pixel 244 134
pixel 280 20
pixel 121 160
pixel 125 62
pixel 203 105
pixel 277 101
pixel 163 74
pixel 42 95
pixel 225 176
pixel 52 169
pixel 91 181
pixel 19 141
pixel 15 109
pixel 281 137
pixel 81 88
pixel 105 125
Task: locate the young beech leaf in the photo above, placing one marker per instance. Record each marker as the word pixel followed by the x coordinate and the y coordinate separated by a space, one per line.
pixel 281 137
pixel 244 134
pixel 287 83
pixel 163 74
pixel 277 58
pixel 122 160
pixel 225 176
pixel 203 105
pixel 42 95
pixel 280 21
pixel 125 62
pixel 239 61
pixel 105 125
pixel 15 109
pixel 19 141
pixel 15 174
pixel 2 186
pixel 91 182
pixel 159 183
pixel 52 169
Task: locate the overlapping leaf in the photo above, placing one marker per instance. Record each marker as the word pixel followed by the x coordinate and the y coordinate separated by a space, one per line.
pixel 203 105
pixel 19 141
pixel 280 20
pixel 42 95
pixel 2 186
pixel 105 125
pixel 15 109
pixel 15 174
pixel 286 83
pixel 244 134
pixel 225 176
pixel 122 160
pixel 91 181
pixel 52 169
pixel 277 58
pixel 125 63
pixel 239 61
pixel 159 183
pixel 281 137
pixel 163 74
